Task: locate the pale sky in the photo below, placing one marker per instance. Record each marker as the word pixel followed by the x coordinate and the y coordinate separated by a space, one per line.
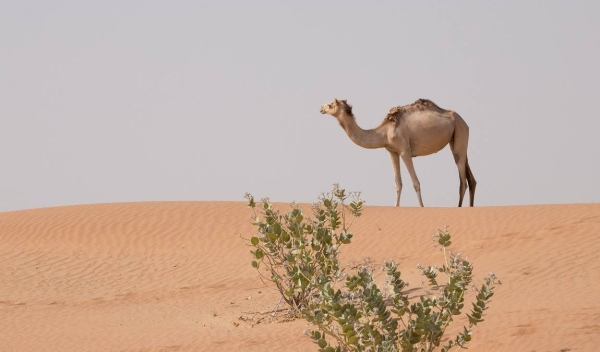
pixel 118 101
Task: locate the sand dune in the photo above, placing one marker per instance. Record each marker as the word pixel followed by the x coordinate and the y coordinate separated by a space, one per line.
pixel 169 276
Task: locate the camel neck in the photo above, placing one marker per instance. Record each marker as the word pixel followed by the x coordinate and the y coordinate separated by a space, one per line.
pixel 369 139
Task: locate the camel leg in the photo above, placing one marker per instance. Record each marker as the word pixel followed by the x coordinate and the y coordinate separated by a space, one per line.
pixel 413 175
pixel 396 164
pixel 472 183
pixel 461 163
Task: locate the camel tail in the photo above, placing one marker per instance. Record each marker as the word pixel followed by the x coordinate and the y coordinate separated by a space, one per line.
pixel 472 183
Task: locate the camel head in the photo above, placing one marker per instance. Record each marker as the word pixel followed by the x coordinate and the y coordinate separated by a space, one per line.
pixel 336 108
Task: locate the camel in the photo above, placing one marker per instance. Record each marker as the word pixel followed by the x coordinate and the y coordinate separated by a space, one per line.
pixel 419 129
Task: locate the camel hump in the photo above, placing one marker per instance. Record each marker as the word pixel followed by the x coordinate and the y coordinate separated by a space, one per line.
pixel 424 102
pixel 421 104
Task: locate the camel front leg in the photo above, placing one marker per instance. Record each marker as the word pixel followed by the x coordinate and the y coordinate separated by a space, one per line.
pixel 396 165
pixel 413 175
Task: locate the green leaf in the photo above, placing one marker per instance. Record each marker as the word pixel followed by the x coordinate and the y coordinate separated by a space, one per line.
pixel 322 343
pixel 277 228
pixel 254 241
pixel 255 264
pixel 353 340
pixel 259 254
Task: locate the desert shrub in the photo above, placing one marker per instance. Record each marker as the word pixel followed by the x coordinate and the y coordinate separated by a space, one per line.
pixel 300 254
pixel 361 317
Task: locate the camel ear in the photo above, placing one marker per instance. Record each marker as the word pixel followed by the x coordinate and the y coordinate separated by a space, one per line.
pixel 344 101
pixel 336 101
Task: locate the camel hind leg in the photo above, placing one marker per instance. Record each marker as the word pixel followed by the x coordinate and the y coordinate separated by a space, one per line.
pixel 461 163
pixel 458 146
pixel 472 183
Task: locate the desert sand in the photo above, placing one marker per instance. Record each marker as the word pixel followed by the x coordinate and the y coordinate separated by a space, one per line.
pixel 176 276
